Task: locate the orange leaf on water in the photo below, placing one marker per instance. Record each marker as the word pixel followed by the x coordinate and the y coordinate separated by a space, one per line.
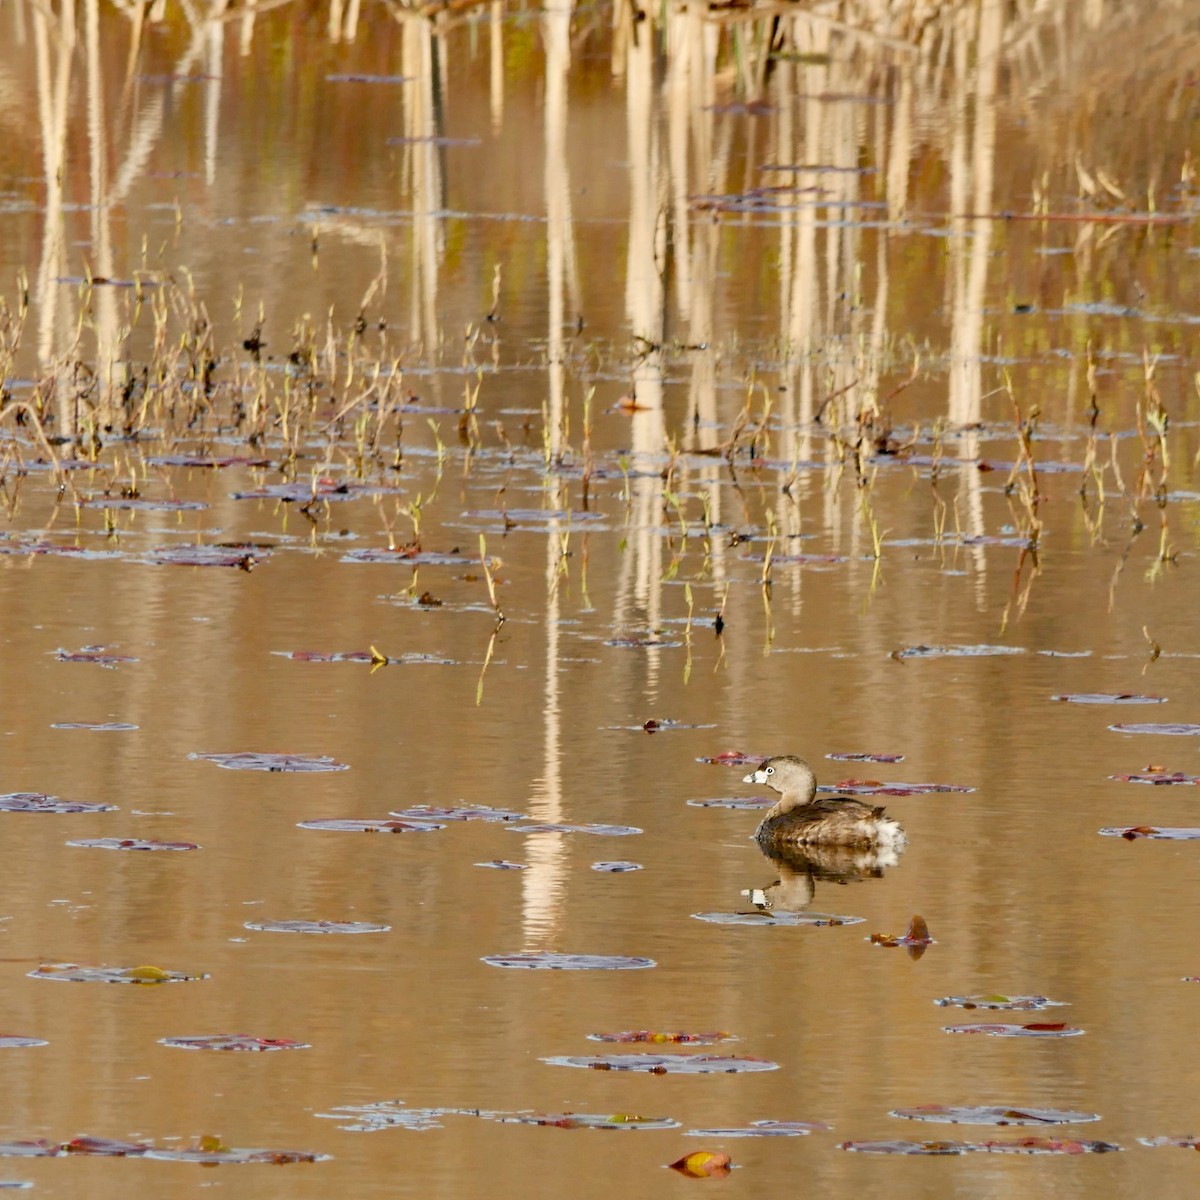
pixel 703 1164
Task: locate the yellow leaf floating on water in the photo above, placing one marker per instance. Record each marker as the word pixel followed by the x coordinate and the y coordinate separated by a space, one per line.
pixel 211 1143
pixel 147 974
pixel 703 1164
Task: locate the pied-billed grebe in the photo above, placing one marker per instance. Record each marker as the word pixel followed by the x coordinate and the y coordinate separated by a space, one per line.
pixel 799 818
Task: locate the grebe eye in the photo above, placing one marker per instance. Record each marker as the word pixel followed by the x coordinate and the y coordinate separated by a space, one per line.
pixel 769 771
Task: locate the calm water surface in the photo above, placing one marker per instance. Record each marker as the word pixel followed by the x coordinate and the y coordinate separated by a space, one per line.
pixel 724 317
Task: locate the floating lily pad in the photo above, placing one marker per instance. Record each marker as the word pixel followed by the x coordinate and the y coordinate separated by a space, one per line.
pixel 664 1064
pixel 131 844
pixel 303 492
pixel 976 651
pixel 765 1129
pixel 735 802
pixel 1044 1145
pixel 73 973
pixel 349 825
pixel 316 927
pixel 600 830
pixel 233 1041
pixel 863 757
pixel 39 1148
pixel 1187 1142
pixel 41 803
pixel 996 1114
pixel 206 461
pixel 899 1146
pixel 642 641
pixel 411 557
pixel 872 787
pixel 732 758
pixel 659 725
pixel 616 868
pixel 98 726
pixel 1038 1030
pixel 10 1041
pixel 590 1121
pixel 461 812
pixel 1153 832
pixel 1108 698
pixel 104 1147
pixel 1174 730
pixel 241 555
pixel 232 1157
pixel 388 1114
pixel 545 960
pixel 136 503
pixel 1160 778
pixel 999 1003
pixel 99 658
pixel 657 1039
pixel 251 761
pixel 759 917
pixel 324 656
pixel 502 864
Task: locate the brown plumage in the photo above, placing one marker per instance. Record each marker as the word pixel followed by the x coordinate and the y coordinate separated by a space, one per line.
pixel 799 818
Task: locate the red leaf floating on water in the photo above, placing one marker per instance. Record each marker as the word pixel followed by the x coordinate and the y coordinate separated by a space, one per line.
pixel 107 1147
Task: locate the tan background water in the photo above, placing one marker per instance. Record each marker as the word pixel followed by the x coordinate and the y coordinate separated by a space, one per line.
pixel 594 152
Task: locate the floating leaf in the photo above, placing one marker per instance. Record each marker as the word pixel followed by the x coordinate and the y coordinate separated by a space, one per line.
pixel 616 868
pixel 502 864
pixel 876 758
pixel 703 1164
pixel 1155 832
pixel 1175 730
pixel 1187 1142
pixel 145 975
pixel 201 1153
pixel 241 555
pixel 545 960
pixel 915 939
pixel 1108 698
pixel 39 802
pixel 386 1114
pixel 904 1147
pixel 872 787
pixel 104 1147
pixel 252 761
pixel 99 726
pixel 782 917
pixel 411 557
pixel 733 758
pixel 136 502
pixel 94 656
pixel 734 802
pixel 206 461
pixel 993 1115
pixel 665 1064
pixel 646 1035
pixel 977 651
pixel 461 812
pixel 1044 1145
pixel 131 844
pixel 599 830
pixel 1002 1003
pixel 765 1129
pixel 316 927
pixel 31 1149
pixel 1004 1030
pixel 383 825
pixel 10 1041
pixel 1159 777
pixel 233 1041
pixel 590 1121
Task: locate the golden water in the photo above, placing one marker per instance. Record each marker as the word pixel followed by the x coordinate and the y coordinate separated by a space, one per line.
pixel 593 189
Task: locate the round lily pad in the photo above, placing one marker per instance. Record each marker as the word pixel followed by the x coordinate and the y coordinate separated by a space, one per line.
pixel 345 825
pixel 616 868
pixel 1046 1030
pixel 600 830
pixel 657 1039
pixel 251 761
pixel 1169 729
pixel 1108 698
pixel 233 1041
pixel 1161 833
pixel 545 960
pixel 664 1064
pixel 9 1041
pixel 74 973
pixel 39 802
pixel 97 726
pixel 996 1114
pixel 765 1129
pixel 131 844
pixel 316 927
pixel 776 918
pixel 461 812
pixel 999 1003
pixel 569 1120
